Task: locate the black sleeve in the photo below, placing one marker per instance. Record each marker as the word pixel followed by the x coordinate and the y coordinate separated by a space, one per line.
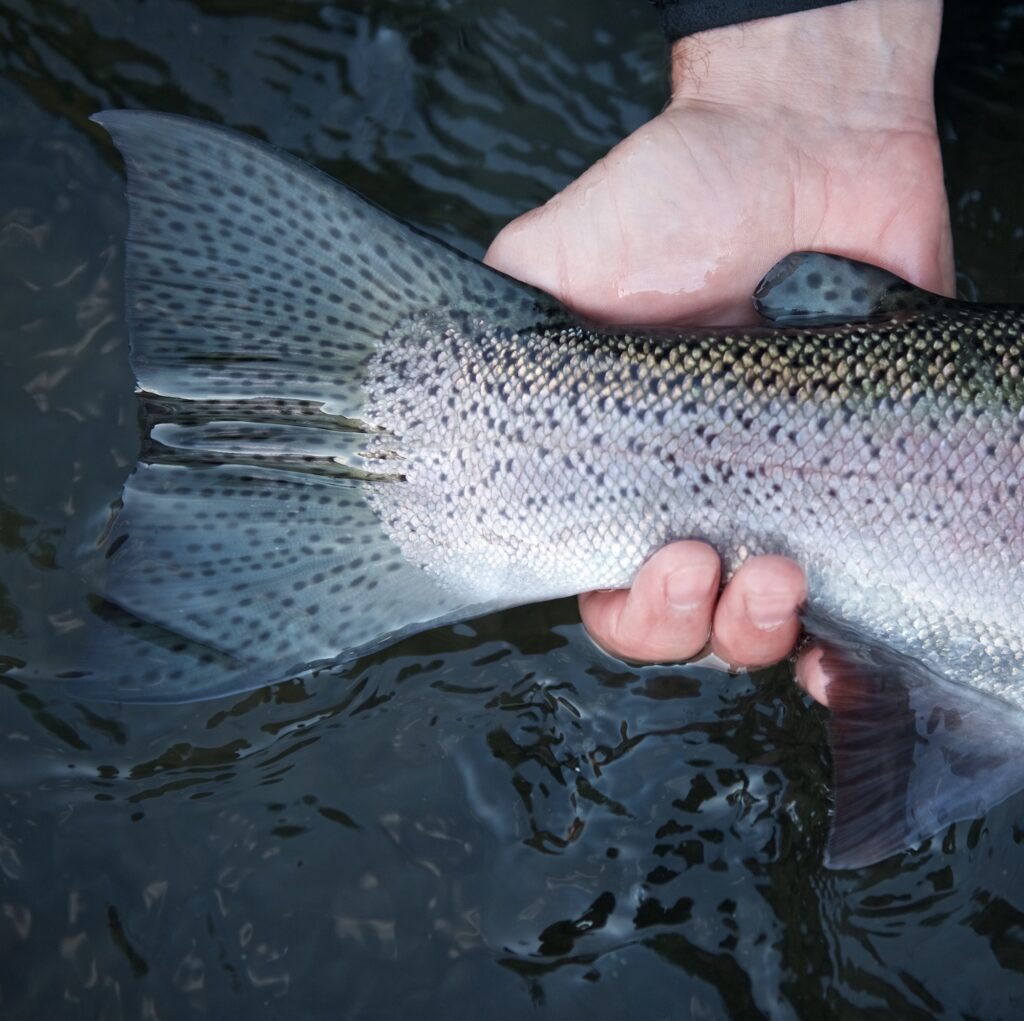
pixel 685 17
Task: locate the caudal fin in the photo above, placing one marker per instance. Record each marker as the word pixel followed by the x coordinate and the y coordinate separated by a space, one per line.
pixel 259 290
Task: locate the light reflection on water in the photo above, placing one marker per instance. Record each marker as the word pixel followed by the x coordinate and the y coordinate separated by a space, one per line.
pixel 493 818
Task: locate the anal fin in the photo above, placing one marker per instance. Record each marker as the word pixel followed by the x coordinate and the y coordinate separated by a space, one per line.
pixel 912 751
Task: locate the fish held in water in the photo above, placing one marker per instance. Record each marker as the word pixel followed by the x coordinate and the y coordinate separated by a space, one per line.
pixel 357 433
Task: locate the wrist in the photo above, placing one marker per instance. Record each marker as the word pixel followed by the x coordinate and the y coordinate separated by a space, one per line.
pixel 866 63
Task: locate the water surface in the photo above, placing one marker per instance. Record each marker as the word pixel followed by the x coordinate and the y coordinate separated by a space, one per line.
pixel 492 820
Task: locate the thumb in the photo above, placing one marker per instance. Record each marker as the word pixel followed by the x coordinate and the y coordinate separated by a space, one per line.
pixel 581 246
pixel 530 249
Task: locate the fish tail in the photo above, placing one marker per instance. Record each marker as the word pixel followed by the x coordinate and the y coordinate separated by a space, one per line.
pixel 259 293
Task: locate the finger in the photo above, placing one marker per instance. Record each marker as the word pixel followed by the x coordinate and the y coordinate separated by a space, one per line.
pixel 811 675
pixel 667 613
pixel 648 259
pixel 756 622
pixel 526 249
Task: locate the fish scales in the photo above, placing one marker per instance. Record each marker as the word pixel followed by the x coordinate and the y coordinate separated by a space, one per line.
pixel 537 460
pixel 355 433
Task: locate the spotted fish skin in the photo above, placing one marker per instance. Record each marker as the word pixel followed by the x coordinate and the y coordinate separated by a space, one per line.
pixel 886 457
pixel 356 433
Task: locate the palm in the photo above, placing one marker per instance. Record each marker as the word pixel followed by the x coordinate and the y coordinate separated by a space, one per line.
pixel 680 221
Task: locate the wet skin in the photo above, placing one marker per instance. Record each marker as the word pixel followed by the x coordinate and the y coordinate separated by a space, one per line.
pixel 809 131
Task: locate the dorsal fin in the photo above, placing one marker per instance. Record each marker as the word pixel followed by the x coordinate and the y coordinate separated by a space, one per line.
pixel 815 288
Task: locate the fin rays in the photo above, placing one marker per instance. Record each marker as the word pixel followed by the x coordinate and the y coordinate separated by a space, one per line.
pixel 259 292
pixel 912 751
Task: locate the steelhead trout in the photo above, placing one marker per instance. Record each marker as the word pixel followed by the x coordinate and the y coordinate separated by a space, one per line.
pixel 356 433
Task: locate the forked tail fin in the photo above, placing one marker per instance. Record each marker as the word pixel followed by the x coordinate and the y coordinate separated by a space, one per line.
pixel 259 290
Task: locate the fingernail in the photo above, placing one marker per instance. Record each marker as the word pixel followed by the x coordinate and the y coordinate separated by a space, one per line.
pixel 687 588
pixel 769 610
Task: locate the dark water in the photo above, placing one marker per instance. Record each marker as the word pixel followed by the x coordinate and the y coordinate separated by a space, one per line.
pixel 489 821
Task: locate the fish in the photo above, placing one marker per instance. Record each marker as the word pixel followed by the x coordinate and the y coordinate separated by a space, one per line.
pixel 355 432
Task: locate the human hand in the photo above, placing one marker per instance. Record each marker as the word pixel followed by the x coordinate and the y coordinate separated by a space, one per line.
pixel 807 131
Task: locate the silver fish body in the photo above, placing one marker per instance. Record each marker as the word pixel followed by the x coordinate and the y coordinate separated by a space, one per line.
pixel 885 457
pixel 357 433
